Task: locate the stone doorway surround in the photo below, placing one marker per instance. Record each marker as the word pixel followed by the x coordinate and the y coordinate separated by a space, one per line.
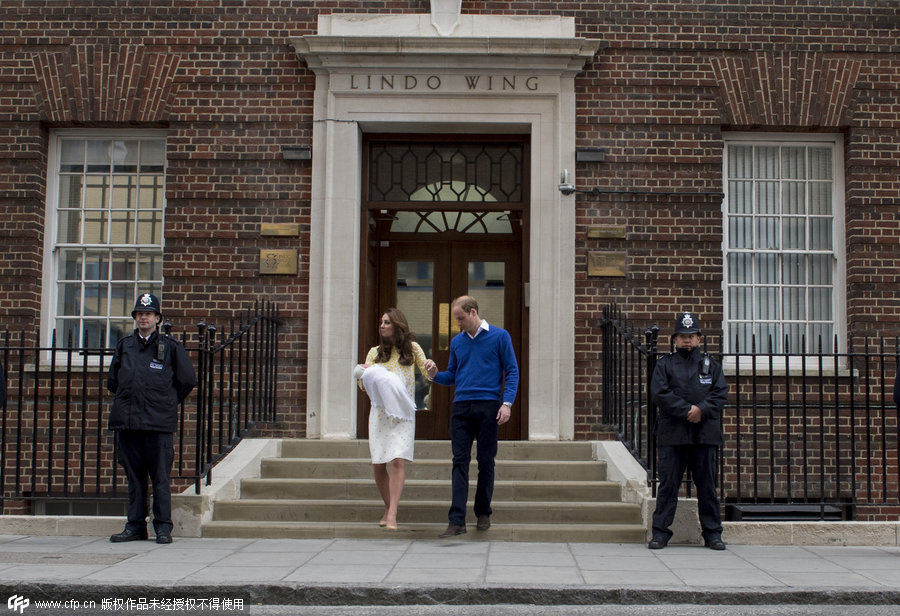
pixel 396 73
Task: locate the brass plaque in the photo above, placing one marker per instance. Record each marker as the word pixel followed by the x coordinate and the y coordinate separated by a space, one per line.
pixel 282 229
pixel 610 264
pixel 606 233
pixel 277 261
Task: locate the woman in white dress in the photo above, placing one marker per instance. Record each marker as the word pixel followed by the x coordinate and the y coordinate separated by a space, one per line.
pixel 392 423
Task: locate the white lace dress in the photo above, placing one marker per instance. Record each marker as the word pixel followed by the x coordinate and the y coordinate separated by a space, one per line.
pixel 389 437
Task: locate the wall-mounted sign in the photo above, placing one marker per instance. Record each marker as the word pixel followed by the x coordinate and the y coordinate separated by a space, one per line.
pixel 277 261
pixel 606 233
pixel 279 229
pixel 608 264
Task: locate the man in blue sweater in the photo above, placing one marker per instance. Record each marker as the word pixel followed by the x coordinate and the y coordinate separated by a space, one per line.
pixel 484 371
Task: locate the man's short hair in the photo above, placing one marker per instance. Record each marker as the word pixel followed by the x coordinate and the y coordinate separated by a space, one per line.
pixel 466 303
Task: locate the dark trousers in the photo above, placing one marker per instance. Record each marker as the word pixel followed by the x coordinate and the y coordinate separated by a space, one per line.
pixel 142 455
pixel 473 420
pixel 671 464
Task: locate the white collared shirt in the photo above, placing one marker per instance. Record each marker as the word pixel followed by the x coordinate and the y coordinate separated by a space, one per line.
pixel 484 326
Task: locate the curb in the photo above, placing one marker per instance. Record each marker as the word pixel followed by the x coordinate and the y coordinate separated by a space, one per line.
pixel 344 595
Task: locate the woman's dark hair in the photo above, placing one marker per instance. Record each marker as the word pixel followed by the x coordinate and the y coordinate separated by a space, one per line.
pixel 403 339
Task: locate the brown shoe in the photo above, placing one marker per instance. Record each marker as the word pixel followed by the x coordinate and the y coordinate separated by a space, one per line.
pixel 484 522
pixel 452 531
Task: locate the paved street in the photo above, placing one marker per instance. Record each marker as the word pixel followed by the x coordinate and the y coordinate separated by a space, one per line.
pixel 234 575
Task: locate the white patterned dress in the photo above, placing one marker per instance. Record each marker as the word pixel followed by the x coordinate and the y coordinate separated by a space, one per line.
pixel 389 437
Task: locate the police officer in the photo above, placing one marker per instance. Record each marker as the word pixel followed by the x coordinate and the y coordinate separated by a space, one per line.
pixel 150 376
pixel 689 390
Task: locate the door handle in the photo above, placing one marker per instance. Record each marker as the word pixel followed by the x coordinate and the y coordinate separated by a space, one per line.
pixel 447 326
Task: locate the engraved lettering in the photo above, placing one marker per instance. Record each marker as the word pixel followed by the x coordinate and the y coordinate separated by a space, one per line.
pixel 531 83
pixel 433 82
pixel 472 80
pixel 387 82
pixel 509 82
pixel 353 85
pixel 410 82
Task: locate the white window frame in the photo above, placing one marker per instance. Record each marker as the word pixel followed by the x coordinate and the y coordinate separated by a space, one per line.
pixel 50 279
pixel 794 363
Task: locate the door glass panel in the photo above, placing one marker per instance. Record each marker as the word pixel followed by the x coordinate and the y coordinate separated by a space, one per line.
pixel 487 284
pixel 415 297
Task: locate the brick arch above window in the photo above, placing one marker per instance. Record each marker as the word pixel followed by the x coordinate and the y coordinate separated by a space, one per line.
pixel 100 83
pixel 781 89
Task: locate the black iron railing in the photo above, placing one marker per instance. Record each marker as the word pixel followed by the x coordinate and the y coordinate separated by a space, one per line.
pixel 53 435
pixel 811 433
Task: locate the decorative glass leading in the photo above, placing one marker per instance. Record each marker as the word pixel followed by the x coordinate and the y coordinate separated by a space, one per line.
pixel 109 236
pixel 452 172
pixel 779 250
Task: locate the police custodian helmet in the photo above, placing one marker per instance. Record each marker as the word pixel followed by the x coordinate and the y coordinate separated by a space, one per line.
pixel 687 323
pixel 147 303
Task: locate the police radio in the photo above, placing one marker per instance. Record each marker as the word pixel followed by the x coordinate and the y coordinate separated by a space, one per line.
pixel 704 365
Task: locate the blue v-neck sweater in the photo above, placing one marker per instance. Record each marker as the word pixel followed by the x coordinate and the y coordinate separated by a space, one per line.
pixel 482 368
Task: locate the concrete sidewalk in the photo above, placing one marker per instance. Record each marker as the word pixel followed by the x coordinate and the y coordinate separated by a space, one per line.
pixel 464 572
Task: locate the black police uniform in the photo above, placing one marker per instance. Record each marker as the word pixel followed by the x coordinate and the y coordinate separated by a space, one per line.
pixel 149 378
pixel 681 379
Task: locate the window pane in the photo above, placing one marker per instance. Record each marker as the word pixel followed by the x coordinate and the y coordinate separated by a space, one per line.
pixel 124 195
pixel 125 157
pixel 96 265
pixel 69 303
pixel 767 162
pixel 820 198
pixel 793 162
pixel 96 193
pixel 793 269
pixel 793 233
pixel 71 155
pixel 767 233
pixel 149 266
pixel 70 265
pixel 741 303
pixel 98 156
pixel 767 302
pixel 740 233
pixel 820 234
pixel 740 197
pixel 121 229
pixel 70 191
pixel 820 267
pixel 487 283
pixel 151 192
pixel 69 230
pixel 740 161
pixel 95 226
pixel 153 156
pixel 123 265
pixel 820 163
pixel 820 304
pixel 793 303
pixel 794 198
pixel 766 268
pixel 768 198
pixel 740 266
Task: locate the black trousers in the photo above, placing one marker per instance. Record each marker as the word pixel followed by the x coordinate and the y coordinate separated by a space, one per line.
pixel 671 464
pixel 471 420
pixel 142 455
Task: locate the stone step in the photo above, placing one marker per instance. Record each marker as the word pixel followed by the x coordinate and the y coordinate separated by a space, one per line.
pixel 439 450
pixel 574 533
pixel 423 489
pixel 351 468
pixel 362 511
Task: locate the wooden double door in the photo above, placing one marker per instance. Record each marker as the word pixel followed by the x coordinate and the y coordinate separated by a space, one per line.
pixel 421 278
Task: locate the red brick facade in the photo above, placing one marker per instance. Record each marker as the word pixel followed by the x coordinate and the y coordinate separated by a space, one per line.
pixel 225 83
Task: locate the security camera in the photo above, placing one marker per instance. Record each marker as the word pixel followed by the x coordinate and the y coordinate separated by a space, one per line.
pixel 564 186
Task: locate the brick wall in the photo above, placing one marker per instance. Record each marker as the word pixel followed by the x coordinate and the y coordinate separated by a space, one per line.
pixel 224 81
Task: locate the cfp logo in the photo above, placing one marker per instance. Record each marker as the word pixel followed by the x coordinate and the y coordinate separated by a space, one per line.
pixel 17 603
